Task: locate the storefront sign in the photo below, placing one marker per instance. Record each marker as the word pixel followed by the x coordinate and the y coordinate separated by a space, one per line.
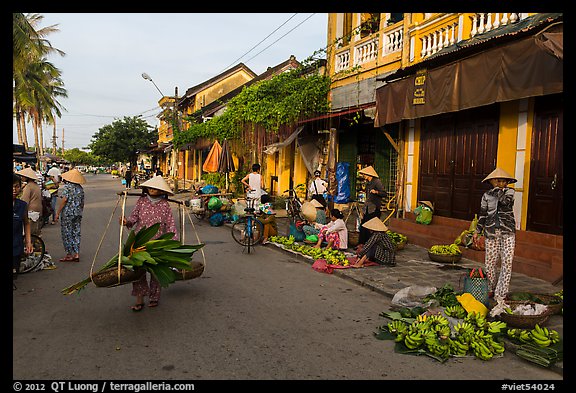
pixel 419 88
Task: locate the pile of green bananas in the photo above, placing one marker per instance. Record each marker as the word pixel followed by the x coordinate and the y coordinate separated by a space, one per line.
pixel 446 249
pixel 541 336
pixel 434 335
pixel 287 241
pixel 397 238
pixel 333 257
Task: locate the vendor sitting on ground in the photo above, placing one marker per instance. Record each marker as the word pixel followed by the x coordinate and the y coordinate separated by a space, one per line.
pixel 334 233
pixel 268 219
pixel 379 248
pixel 313 227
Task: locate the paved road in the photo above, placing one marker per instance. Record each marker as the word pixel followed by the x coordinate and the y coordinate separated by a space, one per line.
pixel 263 316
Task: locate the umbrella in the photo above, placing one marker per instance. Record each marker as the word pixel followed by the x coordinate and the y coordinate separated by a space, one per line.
pixel 211 163
pixel 226 163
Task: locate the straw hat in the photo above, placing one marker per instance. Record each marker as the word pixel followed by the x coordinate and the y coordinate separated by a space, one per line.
pixel 158 183
pixel 375 224
pixel 74 176
pixel 266 208
pixel 427 203
pixel 308 211
pixel 369 170
pixel 315 203
pixel 500 173
pixel 28 172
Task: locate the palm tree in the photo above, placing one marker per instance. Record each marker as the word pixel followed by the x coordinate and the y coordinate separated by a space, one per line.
pixel 36 82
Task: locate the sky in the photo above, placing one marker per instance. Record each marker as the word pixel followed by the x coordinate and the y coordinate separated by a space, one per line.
pixel 106 54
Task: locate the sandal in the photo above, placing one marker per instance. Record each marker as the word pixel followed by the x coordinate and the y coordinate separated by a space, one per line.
pixel 153 303
pixel 66 259
pixel 138 307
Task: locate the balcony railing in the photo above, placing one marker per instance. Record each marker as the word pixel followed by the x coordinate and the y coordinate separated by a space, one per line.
pixel 425 40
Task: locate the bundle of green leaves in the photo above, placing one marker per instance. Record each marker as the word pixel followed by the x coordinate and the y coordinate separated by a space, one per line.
pixel 162 257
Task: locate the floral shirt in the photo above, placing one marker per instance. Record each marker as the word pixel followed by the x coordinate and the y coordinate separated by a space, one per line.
pixel 496 212
pixel 147 213
pixel 75 200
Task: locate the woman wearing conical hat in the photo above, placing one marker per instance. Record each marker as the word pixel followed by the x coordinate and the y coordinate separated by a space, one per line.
pixel 496 220
pixel 152 207
pixel 69 212
pixel 379 247
pixel 375 194
pixel 32 195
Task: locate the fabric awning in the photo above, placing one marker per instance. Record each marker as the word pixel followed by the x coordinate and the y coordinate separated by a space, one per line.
pixel 274 147
pixel 520 69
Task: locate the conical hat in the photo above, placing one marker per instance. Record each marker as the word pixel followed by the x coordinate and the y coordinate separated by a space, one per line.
pixel 375 224
pixel 158 183
pixel 500 173
pixel 27 172
pixel 315 203
pixel 74 176
pixel 369 170
pixel 308 211
pixel 427 203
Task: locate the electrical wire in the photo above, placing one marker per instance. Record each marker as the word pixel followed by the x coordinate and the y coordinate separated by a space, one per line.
pixel 234 62
pixel 289 31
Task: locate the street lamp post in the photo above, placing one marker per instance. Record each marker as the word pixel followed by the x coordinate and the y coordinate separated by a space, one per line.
pixel 147 77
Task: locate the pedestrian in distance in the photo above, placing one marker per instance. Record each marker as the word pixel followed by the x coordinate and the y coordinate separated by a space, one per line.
pixel 55 176
pixel 379 248
pixel 268 220
pixel 128 177
pixel 21 236
pixel 375 193
pixel 254 183
pixel 334 233
pixel 32 195
pixel 152 207
pixel 69 212
pixel 496 220
pixel 318 188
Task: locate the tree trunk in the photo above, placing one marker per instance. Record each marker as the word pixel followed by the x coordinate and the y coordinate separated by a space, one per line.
pixel 22 120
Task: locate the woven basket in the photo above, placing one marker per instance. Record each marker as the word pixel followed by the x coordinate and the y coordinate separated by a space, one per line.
pixel 353 237
pixel 197 270
pixel 523 321
pixel 555 308
pixel 109 277
pixel 444 258
pixel 401 245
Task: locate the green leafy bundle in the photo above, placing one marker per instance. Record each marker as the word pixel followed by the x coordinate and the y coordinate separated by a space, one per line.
pixel 161 257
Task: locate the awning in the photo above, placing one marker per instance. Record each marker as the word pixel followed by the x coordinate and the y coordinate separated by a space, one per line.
pixel 339 113
pixel 274 147
pixel 516 70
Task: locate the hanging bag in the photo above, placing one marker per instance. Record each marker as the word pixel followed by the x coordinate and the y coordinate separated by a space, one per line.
pixel 476 284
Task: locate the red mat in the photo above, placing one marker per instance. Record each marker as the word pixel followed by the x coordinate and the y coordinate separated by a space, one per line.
pixel 320 265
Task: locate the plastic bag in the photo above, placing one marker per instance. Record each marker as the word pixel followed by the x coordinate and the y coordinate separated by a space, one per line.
pixel 209 189
pixel 217 219
pixel 214 203
pixel 412 296
pixel 343 180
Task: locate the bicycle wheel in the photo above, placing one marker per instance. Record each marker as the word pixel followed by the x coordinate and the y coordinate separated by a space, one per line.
pixel 247 231
pixel 30 262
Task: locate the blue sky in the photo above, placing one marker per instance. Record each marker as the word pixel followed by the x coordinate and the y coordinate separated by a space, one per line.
pixel 107 53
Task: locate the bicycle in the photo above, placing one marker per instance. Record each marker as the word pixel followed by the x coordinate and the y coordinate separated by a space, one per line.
pixel 248 231
pixel 293 205
pixel 30 262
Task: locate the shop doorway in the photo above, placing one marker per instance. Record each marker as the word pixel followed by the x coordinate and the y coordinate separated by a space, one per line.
pixel 457 151
pixel 545 198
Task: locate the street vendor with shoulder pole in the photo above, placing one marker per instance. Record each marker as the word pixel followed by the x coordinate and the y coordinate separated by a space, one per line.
pixel 375 193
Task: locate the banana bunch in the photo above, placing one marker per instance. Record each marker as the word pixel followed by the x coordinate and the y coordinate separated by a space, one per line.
pixel 414 339
pixel 464 329
pixel 456 311
pixel 437 319
pixel 287 241
pixel 399 328
pixel 396 237
pixel 439 348
pixel 445 249
pixel 476 319
pixel 521 335
pixel 496 326
pixel 458 347
pixel 544 337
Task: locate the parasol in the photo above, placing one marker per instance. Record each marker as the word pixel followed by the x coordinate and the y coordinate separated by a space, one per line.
pixel 226 163
pixel 211 163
